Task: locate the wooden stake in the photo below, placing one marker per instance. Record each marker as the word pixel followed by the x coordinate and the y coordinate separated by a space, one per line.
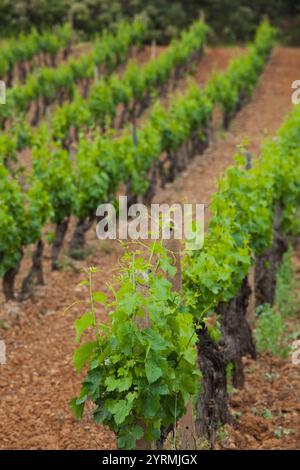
pixel 186 423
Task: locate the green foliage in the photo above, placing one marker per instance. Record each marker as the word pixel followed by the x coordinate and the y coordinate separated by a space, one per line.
pixel 142 367
pixel 187 113
pixel 269 332
pixel 23 215
pixel 287 297
pixel 242 220
pixel 120 160
pixel 103 162
pixel 54 171
pixel 231 20
pixel 137 83
pixel 109 51
pixel 26 47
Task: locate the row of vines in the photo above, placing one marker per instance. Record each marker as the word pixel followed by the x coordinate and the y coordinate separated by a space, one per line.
pixel 59 186
pixel 48 85
pixel 34 49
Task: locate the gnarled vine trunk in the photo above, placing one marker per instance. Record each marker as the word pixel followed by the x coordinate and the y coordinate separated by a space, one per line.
pixel 9 281
pixel 237 340
pixel 150 193
pixel 60 233
pixel 212 405
pixel 35 272
pixel 78 239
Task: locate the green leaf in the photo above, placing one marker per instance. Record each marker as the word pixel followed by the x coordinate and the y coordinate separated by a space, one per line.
pixel 77 408
pixel 121 384
pixel 82 324
pixel 166 265
pixel 83 354
pixel 127 437
pixel 151 406
pixel 190 356
pixel 130 302
pixel 93 381
pixel 160 389
pixel 160 288
pixel 120 409
pixel 101 414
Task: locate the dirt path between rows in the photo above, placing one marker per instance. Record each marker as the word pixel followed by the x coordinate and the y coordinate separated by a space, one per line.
pixel 38 381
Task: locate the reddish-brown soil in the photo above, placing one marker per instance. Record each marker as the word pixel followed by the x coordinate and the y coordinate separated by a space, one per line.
pixel 267 412
pixel 38 381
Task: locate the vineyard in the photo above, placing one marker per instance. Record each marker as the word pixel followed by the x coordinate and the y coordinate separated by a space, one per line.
pixel 146 343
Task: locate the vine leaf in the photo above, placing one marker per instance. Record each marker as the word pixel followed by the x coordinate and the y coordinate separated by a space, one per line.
pixel 83 354
pixel 128 437
pixel 120 409
pixel 82 324
pixel 100 297
pixel 153 372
